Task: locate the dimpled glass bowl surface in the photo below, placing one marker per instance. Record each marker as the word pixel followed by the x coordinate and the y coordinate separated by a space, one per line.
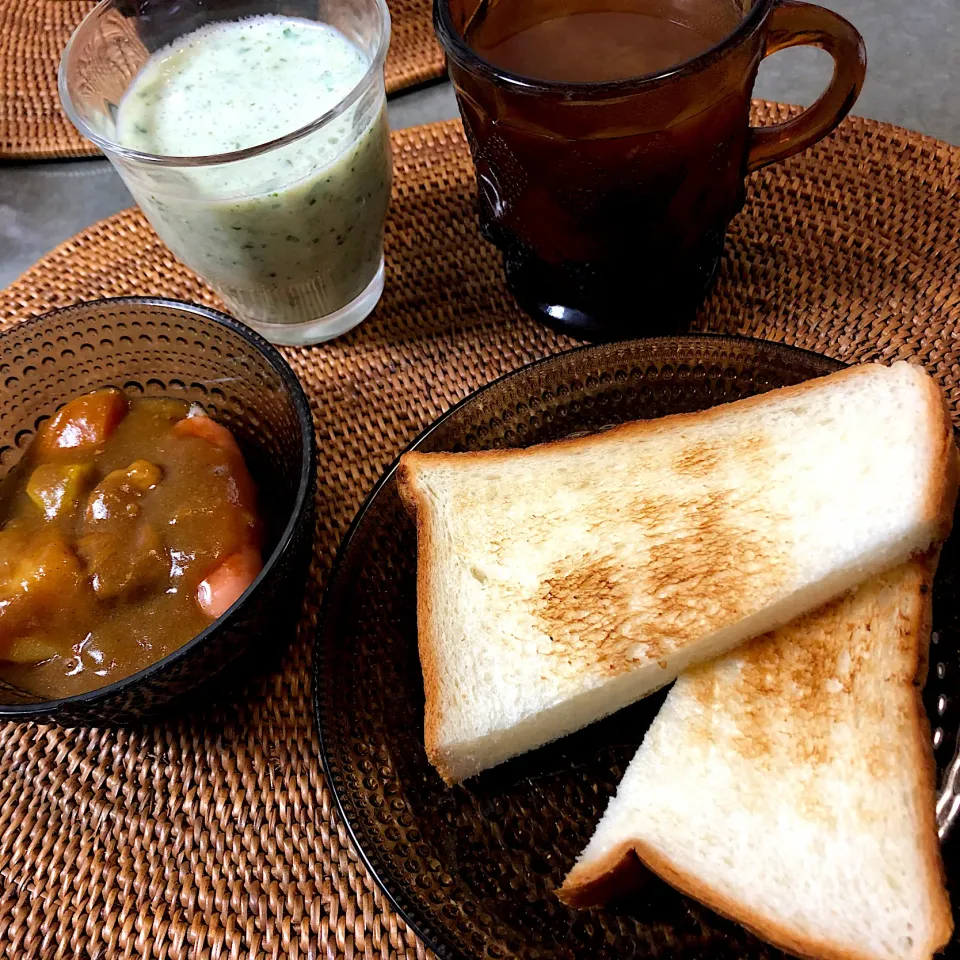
pixel 153 347
pixel 473 868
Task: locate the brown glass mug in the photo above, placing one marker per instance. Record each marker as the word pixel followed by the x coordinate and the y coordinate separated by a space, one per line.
pixel 610 201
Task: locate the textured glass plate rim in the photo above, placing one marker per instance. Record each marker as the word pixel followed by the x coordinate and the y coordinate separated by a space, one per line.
pixel 434 939
pixel 305 487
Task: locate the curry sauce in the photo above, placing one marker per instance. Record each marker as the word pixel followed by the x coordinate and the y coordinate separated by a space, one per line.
pixel 127 528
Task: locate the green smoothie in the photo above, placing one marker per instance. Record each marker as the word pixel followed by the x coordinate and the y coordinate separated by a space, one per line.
pixel 296 232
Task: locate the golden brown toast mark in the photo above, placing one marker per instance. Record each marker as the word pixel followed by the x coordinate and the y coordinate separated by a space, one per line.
pixel 585 612
pixel 701 459
pixel 706 568
pixel 698 460
pixel 844 665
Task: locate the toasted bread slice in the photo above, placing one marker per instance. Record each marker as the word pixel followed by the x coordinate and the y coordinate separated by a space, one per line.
pixel 790 786
pixel 559 583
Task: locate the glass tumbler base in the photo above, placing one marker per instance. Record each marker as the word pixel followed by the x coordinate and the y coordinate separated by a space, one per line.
pixel 327 327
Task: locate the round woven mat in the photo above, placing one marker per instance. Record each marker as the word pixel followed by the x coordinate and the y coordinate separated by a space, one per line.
pixel 33 34
pixel 217 836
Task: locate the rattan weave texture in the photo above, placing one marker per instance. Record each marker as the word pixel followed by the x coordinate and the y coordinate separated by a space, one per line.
pixel 33 34
pixel 216 836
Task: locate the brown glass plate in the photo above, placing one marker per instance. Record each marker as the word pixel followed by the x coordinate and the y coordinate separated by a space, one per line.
pixel 473 868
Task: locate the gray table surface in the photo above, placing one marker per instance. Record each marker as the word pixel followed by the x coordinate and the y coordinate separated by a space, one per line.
pixel 912 80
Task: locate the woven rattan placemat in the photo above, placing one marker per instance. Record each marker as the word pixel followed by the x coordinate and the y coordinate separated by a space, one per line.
pixel 217 837
pixel 33 34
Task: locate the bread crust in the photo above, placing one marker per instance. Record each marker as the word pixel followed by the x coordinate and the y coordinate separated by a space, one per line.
pixel 416 502
pixel 620 871
pixel 598 877
pixel 779 935
pixel 940 498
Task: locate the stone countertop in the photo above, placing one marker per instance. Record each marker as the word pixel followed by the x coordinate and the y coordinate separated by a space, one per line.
pixel 914 64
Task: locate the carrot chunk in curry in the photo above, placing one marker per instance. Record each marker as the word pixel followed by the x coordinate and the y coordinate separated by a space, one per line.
pixel 127 528
pixel 84 423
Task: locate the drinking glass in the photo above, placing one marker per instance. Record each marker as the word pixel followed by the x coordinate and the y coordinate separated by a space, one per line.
pixel 298 256
pixel 610 201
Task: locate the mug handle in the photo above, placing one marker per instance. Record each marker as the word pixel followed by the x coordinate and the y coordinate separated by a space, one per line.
pixel 795 24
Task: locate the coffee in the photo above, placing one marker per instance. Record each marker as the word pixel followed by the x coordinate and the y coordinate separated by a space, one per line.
pixel 611 139
pixel 588 42
pixel 605 209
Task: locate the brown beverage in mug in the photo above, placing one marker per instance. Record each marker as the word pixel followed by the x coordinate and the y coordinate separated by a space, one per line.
pixel 592 41
pixel 611 139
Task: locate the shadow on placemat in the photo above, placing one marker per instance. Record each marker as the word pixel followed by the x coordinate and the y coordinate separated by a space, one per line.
pixel 195 837
pixel 33 34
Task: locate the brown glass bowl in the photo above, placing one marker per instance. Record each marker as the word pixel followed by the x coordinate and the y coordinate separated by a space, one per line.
pixel 474 868
pixel 154 347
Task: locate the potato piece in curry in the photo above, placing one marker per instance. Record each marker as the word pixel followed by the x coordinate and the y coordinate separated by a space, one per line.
pixel 127 528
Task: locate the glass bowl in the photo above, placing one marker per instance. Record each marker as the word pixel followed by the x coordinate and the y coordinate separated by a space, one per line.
pixel 156 347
